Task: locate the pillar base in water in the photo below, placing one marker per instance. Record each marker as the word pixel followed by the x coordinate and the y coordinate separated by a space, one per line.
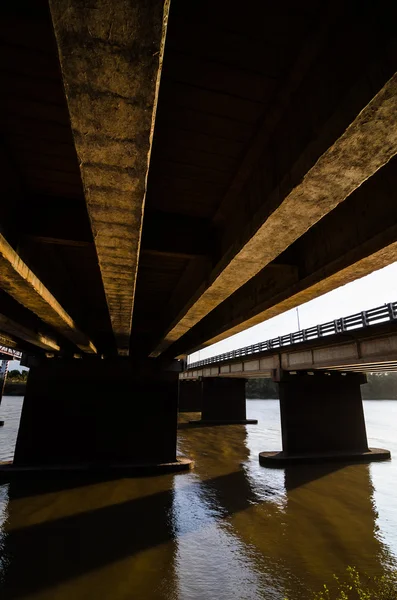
pixel 9 471
pixel 1 423
pixel 190 396
pixel 113 414
pixel 223 400
pixel 208 422
pixel 282 459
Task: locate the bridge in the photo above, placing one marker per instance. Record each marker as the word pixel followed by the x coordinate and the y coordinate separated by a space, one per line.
pixel 174 174
pixel 318 370
pixel 364 342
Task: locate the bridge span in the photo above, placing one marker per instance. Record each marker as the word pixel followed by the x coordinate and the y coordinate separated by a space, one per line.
pixel 363 342
pixel 173 173
pixel 319 372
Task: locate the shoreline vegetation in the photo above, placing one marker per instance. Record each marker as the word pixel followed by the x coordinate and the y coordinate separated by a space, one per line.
pixel 380 386
pixel 15 383
pixel 12 388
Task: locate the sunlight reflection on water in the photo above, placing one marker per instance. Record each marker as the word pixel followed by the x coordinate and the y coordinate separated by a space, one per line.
pixel 230 529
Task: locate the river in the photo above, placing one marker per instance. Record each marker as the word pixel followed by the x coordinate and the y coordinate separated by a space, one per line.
pixel 229 530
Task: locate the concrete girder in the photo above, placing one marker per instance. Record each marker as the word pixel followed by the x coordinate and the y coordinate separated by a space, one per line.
pixel 7 340
pixel 162 235
pixel 14 330
pixel 364 350
pixel 23 285
pixel 330 254
pixel 111 57
pixel 366 145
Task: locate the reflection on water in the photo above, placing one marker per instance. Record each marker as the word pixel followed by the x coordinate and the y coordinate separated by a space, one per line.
pixel 231 529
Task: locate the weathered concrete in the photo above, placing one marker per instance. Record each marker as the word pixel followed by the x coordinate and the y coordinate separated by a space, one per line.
pixel 111 56
pixel 23 285
pixel 97 413
pixel 11 472
pixel 190 396
pixel 340 170
pixel 330 254
pixel 282 459
pixel 28 335
pixel 322 419
pixel 223 402
pixel 363 350
pixel 321 413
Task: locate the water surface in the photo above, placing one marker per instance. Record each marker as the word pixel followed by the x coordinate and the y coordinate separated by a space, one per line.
pixel 230 529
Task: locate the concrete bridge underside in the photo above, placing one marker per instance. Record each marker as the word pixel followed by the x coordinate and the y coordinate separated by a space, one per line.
pixel 173 174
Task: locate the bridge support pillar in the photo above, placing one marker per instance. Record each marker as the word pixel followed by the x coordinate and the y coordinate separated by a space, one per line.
pixel 223 402
pixel 322 419
pixel 98 414
pixel 190 396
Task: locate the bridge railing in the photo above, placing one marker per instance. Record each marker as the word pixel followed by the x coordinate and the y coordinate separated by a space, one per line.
pixel 361 320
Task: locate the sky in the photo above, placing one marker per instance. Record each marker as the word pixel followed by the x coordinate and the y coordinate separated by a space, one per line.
pixel 14 364
pixel 373 290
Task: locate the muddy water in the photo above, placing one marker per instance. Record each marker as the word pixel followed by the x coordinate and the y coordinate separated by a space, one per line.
pixel 230 529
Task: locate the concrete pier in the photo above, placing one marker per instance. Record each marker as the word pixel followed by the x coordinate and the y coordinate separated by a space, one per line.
pixel 190 396
pixel 223 402
pixel 322 419
pixel 83 414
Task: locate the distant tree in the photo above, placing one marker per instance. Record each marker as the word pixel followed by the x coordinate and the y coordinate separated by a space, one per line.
pixel 380 386
pixel 14 374
pixel 261 388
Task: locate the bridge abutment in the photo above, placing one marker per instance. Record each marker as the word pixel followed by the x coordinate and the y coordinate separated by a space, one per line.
pixel 101 414
pixel 223 402
pixel 322 419
pixel 190 396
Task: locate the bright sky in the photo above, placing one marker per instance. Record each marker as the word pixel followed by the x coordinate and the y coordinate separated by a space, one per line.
pixel 370 291
pixel 14 364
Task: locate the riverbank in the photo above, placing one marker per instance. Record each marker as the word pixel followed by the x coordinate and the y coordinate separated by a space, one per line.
pixel 380 386
pixel 14 388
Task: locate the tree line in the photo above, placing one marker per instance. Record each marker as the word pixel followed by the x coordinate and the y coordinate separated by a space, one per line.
pixel 380 386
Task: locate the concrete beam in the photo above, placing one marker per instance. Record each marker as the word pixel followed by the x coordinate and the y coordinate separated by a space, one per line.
pixel 54 241
pixel 163 234
pixel 111 56
pixel 175 235
pixel 367 144
pixel 326 171
pixel 23 285
pixel 15 330
pixel 374 349
pixel 7 340
pixel 357 238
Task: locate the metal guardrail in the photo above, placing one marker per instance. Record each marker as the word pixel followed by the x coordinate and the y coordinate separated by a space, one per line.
pixel 374 316
pixel 13 354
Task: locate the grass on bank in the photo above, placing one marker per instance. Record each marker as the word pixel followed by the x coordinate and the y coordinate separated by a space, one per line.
pixel 354 586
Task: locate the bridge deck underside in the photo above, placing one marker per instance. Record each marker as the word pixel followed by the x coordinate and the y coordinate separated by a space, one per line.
pixel 253 104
